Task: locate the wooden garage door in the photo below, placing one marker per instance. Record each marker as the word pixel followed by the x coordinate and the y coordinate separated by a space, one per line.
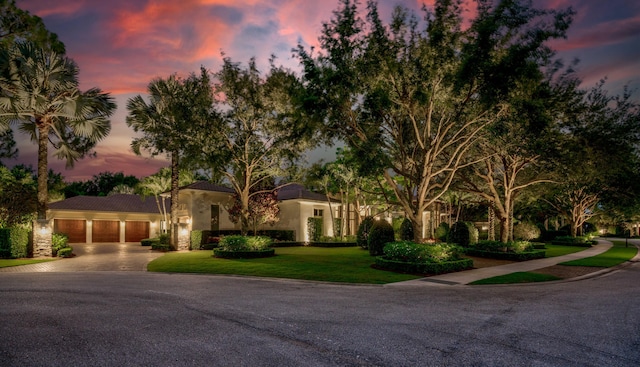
pixel 105 231
pixel 75 229
pixel 135 231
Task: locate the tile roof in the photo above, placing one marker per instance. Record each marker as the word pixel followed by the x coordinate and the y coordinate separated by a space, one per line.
pixel 115 203
pixel 297 191
pixel 207 186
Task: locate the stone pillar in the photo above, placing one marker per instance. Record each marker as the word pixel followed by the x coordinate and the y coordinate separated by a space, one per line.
pixel 184 237
pixel 42 238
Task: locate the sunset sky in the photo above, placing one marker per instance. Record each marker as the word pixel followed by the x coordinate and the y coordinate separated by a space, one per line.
pixel 121 45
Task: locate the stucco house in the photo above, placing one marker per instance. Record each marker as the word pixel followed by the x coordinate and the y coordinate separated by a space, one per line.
pixel 130 218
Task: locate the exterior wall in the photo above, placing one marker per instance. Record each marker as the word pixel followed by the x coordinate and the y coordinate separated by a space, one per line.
pixel 198 206
pixel 90 216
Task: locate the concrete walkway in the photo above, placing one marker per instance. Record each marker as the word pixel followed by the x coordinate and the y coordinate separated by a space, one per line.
pixel 95 257
pixel 468 276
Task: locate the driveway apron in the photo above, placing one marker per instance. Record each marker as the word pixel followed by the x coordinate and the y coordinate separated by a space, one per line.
pixel 96 257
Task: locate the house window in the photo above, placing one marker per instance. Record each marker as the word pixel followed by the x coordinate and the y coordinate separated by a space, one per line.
pixel 317 212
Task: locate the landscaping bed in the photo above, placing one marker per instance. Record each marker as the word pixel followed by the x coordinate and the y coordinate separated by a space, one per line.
pixel 512 256
pixel 423 267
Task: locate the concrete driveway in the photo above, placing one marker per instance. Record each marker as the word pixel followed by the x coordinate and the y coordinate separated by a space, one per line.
pixel 96 257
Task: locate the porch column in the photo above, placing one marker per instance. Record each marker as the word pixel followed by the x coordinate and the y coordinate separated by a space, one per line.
pixel 42 240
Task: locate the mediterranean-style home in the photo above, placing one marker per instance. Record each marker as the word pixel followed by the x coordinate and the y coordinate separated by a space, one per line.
pixel 130 218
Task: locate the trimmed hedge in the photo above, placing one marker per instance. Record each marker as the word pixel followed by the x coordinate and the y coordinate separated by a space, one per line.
pixel 274 234
pixel 65 252
pixel 314 228
pixel 500 255
pixel 159 245
pixel 5 243
pixel 195 240
pixel 572 241
pixel 424 268
pixel 149 241
pixel 243 254
pixel 381 233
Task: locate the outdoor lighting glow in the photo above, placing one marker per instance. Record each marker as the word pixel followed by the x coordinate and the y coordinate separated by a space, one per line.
pixel 183 231
pixel 43 230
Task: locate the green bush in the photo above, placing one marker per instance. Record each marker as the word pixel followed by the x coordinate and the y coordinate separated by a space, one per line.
pixel 195 240
pixel 526 231
pixel 5 243
pixel 381 233
pixel 406 230
pixel 149 241
pixel 459 234
pixel 274 234
pixel 314 228
pixel 59 241
pixel 337 227
pixel 442 232
pixel 513 256
pixel 20 242
pixel 497 246
pixel 362 237
pixel 424 267
pixel 161 246
pixel 165 239
pixel 582 241
pixel 244 243
pixel 408 251
pixel 65 252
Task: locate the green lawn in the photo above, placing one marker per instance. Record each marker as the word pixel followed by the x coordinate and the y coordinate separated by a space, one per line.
pixel 555 250
pixel 614 256
pixel 16 262
pixel 348 265
pixel 519 277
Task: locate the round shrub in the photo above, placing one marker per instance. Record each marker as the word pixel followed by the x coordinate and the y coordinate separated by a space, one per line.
pixel 362 236
pixel 406 230
pixel 381 233
pixel 463 234
pixel 526 231
pixel 442 232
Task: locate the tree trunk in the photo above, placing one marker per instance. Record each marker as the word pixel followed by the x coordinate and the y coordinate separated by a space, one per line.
pixel 43 193
pixel 491 235
pixel 504 230
pixel 175 180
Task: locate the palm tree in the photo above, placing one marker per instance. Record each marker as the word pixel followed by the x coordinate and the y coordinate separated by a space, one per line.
pixel 166 121
pixel 39 94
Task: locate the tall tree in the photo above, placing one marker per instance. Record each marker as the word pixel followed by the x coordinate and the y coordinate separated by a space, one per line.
pixel 175 106
pixel 411 101
pixel 600 156
pixel 40 95
pixel 19 25
pixel 17 198
pixel 257 132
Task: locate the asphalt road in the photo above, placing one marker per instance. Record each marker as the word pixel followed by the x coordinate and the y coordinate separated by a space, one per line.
pixel 146 319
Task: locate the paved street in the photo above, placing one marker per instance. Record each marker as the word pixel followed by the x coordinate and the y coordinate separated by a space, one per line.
pixel 145 319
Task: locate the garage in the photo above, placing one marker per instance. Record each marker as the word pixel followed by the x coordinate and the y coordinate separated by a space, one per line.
pixel 134 231
pixel 105 231
pixel 75 229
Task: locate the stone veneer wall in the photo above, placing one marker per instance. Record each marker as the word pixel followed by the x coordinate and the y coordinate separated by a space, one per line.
pixel 42 242
pixel 184 237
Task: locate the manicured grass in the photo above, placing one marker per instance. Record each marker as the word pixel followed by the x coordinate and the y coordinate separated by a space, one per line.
pixel 519 277
pixel 614 256
pixel 348 265
pixel 558 250
pixel 17 262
